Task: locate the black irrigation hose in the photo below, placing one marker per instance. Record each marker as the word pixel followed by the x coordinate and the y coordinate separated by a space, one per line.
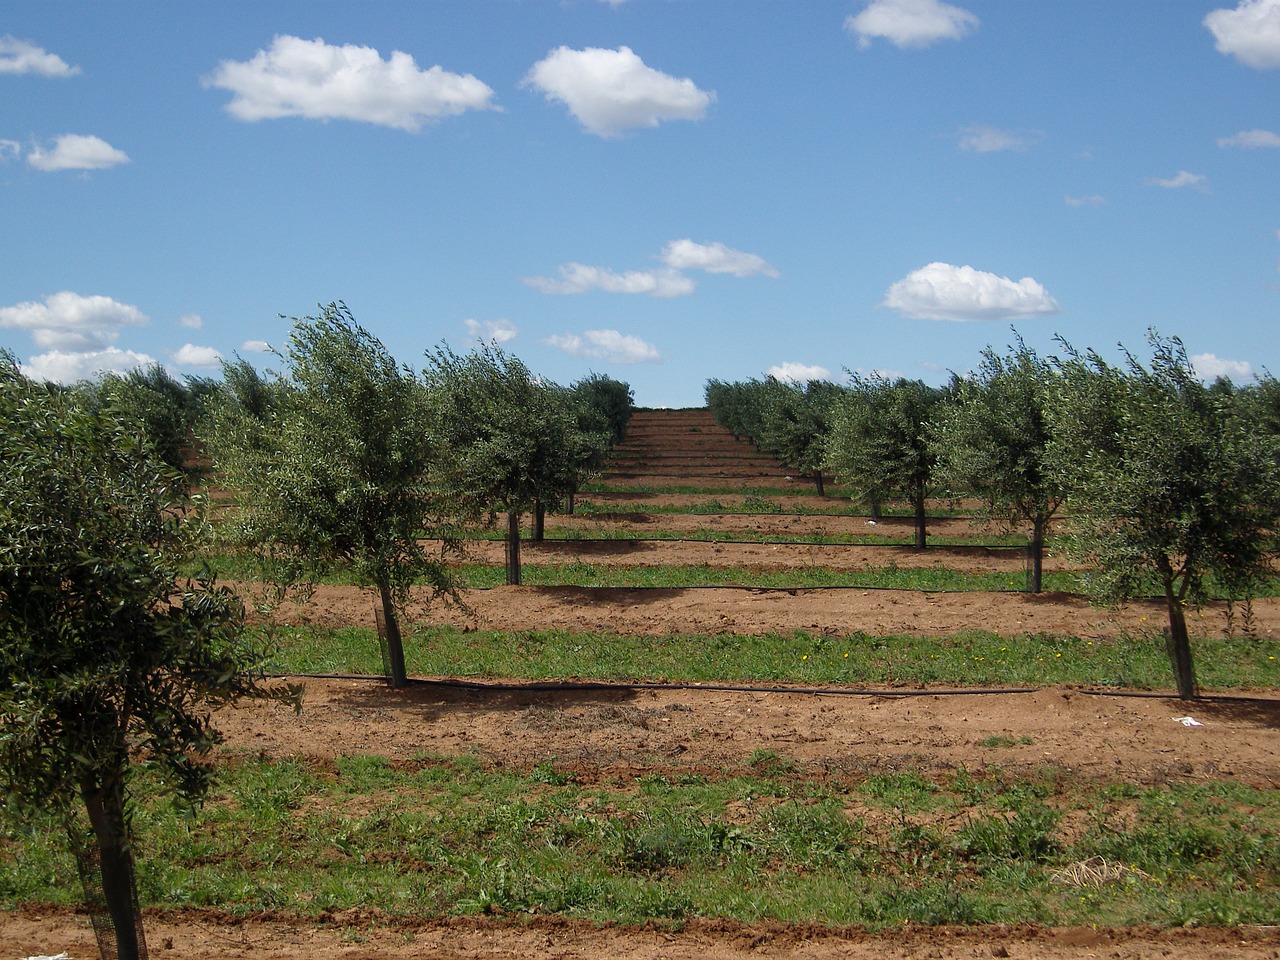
pixel 553 687
pixel 740 586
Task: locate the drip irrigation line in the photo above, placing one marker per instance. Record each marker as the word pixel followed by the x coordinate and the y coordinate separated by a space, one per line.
pixel 1021 548
pixel 740 586
pixel 553 687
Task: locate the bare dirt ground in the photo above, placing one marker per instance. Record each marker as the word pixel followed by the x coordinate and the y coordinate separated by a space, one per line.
pixel 597 732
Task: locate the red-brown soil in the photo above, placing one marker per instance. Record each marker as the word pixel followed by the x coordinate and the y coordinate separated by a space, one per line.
pixel 599 733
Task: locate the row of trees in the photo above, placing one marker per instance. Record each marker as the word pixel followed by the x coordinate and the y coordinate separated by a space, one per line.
pixel 1171 485
pixel 350 458
pixel 108 655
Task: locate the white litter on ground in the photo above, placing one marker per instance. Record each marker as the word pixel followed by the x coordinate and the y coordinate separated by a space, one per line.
pixel 1188 721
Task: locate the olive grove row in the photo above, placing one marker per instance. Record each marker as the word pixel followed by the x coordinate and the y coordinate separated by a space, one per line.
pixel 1166 482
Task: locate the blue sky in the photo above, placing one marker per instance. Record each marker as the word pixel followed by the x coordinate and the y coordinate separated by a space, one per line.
pixel 664 191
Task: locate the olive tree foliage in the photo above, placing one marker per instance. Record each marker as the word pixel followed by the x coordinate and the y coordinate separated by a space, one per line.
pixel 107 658
pixel 878 444
pixel 330 465
pixel 165 410
pixel 509 440
pixel 737 407
pixel 991 440
pixel 794 422
pixel 1169 484
pixel 608 402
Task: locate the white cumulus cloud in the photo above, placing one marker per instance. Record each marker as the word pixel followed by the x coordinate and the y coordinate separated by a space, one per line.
pixel 1208 367
pixel 1251 140
pixel 75 151
pixel 714 258
pixel 189 355
pixel 793 372
pixel 71 367
pixel 496 331
pixel 910 23
pixel 1197 181
pixel 192 321
pixel 608 345
pixel 940 291
pixel 320 81
pixel 982 138
pixel 255 346
pixel 22 56
pixel 610 91
pixel 69 321
pixel 1250 32
pixel 581 278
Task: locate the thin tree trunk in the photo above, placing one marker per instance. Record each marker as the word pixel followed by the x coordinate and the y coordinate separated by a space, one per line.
pixel 569 502
pixel 513 547
pixel 875 508
pixel 1037 553
pixel 539 521
pixel 1179 645
pixel 105 807
pixel 817 482
pixel 395 643
pixel 917 498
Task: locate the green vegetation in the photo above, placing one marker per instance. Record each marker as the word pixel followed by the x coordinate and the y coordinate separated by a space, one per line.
pixel 770 839
pixel 970 659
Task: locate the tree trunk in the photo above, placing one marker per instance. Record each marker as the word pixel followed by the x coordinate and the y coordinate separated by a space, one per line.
pixel 1179 646
pixel 875 508
pixel 1037 554
pixel 105 807
pixel 568 502
pixel 817 482
pixel 394 641
pixel 539 521
pixel 917 499
pixel 513 547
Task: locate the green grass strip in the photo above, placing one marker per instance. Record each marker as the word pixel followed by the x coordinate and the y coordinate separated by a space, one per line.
pixel 765 840
pixel 971 659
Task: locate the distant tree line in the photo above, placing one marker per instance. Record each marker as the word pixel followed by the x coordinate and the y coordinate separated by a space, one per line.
pixel 1164 484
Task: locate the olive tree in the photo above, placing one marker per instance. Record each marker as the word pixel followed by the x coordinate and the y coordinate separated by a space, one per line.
pixel 991 440
pixel 1168 484
pixel 509 440
pixel 107 657
pixel 878 443
pixel 795 421
pixel 330 467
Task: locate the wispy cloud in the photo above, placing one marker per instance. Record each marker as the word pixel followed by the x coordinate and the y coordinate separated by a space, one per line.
pixel 1179 181
pixel 982 138
pixel 495 331
pixel 1251 140
pixel 1250 32
pixel 714 258
pixel 941 291
pixel 581 278
pixel 607 345
pixel 22 56
pixel 320 81
pixel 610 91
pixel 74 151
pixel 910 23
pixel 255 346
pixel 1089 200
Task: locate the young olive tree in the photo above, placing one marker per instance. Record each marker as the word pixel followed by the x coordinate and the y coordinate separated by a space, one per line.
pixel 330 467
pixel 878 442
pixel 795 421
pixel 107 657
pixel 991 440
pixel 510 441
pixel 1168 484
